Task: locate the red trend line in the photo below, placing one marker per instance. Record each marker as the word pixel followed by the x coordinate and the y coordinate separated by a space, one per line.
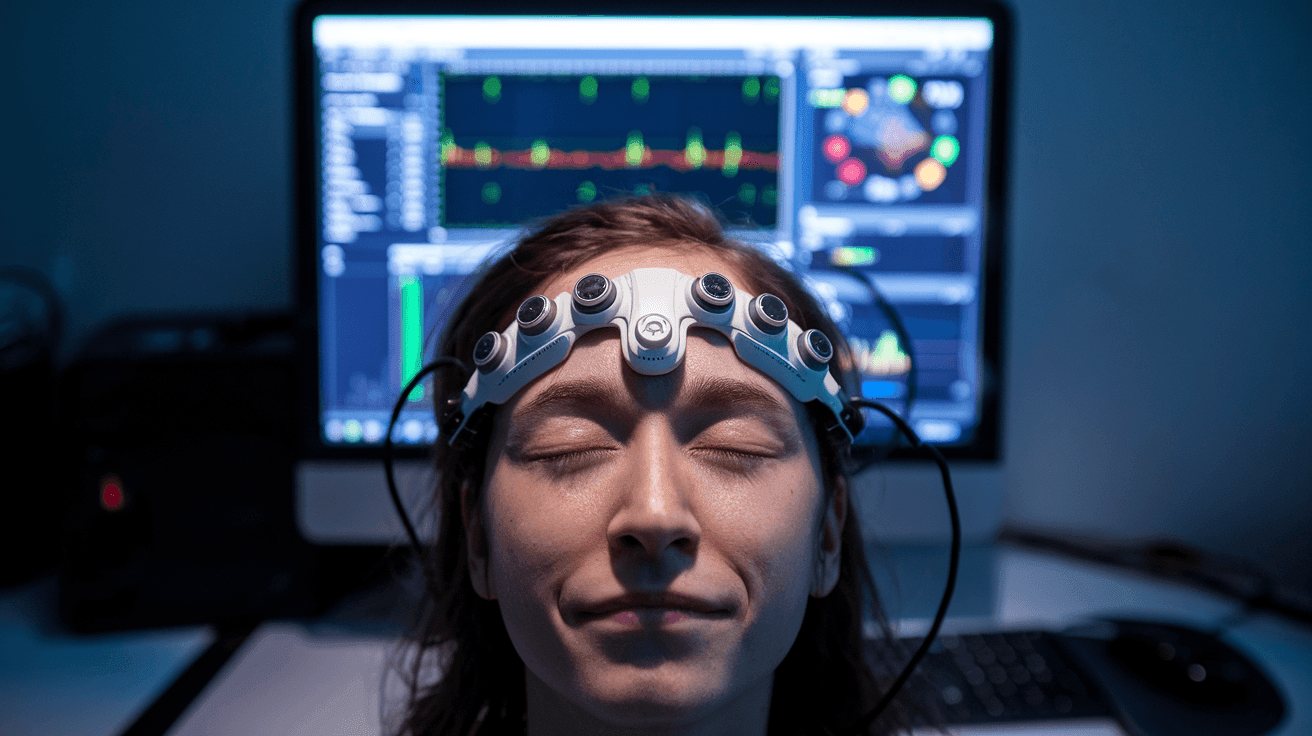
pixel 455 157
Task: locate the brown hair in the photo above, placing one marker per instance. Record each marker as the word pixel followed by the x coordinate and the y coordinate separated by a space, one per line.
pixel 823 684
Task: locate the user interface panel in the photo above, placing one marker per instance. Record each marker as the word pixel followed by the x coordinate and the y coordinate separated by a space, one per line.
pixel 833 144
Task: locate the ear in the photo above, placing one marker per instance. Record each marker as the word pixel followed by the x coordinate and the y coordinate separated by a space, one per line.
pixel 829 554
pixel 471 514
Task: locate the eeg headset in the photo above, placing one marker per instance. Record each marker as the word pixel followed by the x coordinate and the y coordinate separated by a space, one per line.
pixel 653 309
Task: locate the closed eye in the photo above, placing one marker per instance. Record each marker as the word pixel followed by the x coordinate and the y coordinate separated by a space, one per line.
pixel 564 461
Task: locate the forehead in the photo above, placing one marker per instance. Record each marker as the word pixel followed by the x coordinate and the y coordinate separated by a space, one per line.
pixel 689 259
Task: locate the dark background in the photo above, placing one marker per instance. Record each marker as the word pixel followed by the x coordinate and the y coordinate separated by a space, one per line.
pixel 1159 337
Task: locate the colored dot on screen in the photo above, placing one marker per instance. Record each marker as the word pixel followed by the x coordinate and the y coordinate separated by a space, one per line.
pixel 930 174
pixel 751 90
pixel 855 102
pixel 588 90
pixel 851 172
pixel 836 148
pixel 901 88
pixel 111 494
pixel 945 149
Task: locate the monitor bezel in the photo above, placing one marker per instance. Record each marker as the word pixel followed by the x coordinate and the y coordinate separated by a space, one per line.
pixel 986 445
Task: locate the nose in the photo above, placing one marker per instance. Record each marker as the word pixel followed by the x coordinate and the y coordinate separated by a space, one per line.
pixel 654 514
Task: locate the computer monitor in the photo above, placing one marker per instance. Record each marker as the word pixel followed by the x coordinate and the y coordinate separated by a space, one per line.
pixel 863 151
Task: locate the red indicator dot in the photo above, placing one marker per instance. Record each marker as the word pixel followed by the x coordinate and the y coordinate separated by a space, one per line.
pixel 851 172
pixel 836 148
pixel 111 494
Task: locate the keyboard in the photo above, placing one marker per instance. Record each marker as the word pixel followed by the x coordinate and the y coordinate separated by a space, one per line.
pixel 1004 677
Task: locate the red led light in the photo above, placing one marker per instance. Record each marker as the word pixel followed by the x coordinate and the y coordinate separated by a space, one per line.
pixel 111 493
pixel 851 172
pixel 836 148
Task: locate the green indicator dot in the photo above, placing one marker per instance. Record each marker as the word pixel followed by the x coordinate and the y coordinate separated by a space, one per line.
pixel 945 149
pixel 540 153
pixel 447 145
pixel 633 149
pixel 853 256
pixel 733 153
pixel 482 154
pixel 751 90
pixel 642 190
pixel 492 89
pixel 771 89
pixel 491 193
pixel 588 90
pixel 640 90
pixel 769 196
pixel 826 97
pixel 747 194
pixel 695 151
pixel 587 191
pixel 901 88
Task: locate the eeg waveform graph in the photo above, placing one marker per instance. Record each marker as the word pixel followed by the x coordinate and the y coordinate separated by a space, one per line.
pixel 515 148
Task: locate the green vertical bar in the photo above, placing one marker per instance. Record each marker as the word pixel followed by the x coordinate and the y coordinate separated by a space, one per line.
pixel 412 331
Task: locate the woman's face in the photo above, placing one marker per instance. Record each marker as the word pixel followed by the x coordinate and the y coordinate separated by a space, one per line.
pixel 652 540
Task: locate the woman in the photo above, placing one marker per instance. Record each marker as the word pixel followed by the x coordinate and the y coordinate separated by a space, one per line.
pixel 622 553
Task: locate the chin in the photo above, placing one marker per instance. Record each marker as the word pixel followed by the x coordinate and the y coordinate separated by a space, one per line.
pixel 664 694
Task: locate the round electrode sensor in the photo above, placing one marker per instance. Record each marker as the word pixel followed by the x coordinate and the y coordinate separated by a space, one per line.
pixel 593 293
pixel 535 315
pixel 713 292
pixel 769 313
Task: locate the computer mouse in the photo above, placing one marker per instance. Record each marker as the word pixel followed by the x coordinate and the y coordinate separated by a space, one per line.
pixel 1166 679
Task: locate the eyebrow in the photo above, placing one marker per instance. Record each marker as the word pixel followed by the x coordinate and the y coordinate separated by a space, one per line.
pixel 704 392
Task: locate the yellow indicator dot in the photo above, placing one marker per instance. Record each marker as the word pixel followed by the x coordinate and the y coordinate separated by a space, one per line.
pixel 633 149
pixel 482 154
pixel 855 102
pixel 695 152
pixel 733 153
pixel 930 174
pixel 540 153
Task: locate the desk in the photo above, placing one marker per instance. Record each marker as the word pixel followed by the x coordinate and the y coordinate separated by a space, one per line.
pixel 322 680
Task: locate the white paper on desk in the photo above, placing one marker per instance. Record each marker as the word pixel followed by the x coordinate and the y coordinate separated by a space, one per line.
pixel 1048 728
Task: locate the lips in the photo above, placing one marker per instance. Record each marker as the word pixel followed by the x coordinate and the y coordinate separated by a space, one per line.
pixel 669 607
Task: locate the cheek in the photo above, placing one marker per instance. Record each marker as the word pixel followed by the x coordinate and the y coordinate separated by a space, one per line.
pixel 535 534
pixel 770 536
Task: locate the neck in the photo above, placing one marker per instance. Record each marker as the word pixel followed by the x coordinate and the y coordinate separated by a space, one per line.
pixel 552 714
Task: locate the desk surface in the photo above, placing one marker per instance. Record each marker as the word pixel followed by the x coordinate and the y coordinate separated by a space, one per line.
pixel 291 679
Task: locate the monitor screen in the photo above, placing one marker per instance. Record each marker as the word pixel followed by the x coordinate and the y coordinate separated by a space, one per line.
pixel 859 152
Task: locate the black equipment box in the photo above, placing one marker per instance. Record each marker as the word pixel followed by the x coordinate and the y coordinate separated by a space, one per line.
pixel 179 475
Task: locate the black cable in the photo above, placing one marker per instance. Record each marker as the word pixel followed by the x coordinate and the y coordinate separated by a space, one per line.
pixel 953 563
pixel 870 454
pixel 389 458
pixel 899 329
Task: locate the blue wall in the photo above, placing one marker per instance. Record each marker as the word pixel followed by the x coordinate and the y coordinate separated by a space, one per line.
pixel 1159 347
